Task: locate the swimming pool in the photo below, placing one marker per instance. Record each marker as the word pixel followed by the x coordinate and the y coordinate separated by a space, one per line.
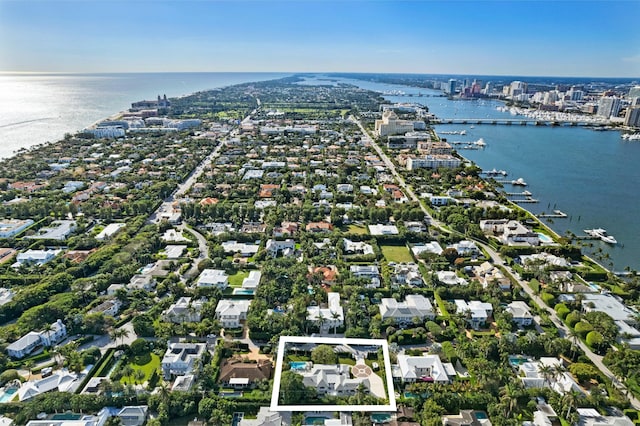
pixel 8 394
pixel 299 365
pixel 544 238
pixel 244 291
pixel 517 360
pixel 314 420
pixel 380 418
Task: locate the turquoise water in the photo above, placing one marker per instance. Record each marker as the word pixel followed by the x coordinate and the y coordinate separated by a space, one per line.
pixel 8 394
pixel 298 365
pixel 244 291
pixel 544 238
pixel 380 418
pixel 517 360
pixel 481 415
pixel 37 108
pixel 314 420
pixel 66 416
pixel 589 175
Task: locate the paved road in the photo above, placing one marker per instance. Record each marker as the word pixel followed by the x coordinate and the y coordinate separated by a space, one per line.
pixel 497 259
pixel 562 328
pixel 392 168
pixel 202 246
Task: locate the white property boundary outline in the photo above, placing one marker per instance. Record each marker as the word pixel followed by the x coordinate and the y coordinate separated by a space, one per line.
pixel 275 406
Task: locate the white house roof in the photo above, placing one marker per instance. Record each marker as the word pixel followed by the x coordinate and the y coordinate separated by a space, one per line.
pixel 232 307
pixel 410 365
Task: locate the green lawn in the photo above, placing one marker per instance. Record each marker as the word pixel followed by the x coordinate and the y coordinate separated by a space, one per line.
pixel 396 254
pixel 357 229
pixel 236 279
pixel 148 364
pixel 346 361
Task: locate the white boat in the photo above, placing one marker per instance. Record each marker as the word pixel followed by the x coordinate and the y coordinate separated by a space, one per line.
pixel 519 182
pixel 480 142
pixel 602 234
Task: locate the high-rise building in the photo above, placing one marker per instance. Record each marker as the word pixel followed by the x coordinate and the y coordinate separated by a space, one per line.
pixel 608 106
pixel 488 88
pixel 451 89
pixel 632 118
pixel 517 88
pixel 575 94
pixel 634 92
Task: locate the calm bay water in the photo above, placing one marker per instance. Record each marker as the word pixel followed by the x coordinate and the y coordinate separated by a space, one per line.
pixel 39 108
pixel 590 175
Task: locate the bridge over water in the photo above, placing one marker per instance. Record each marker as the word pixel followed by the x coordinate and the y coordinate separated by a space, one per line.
pixel 515 121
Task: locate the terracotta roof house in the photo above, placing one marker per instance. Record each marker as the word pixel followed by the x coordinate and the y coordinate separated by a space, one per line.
pixel 238 374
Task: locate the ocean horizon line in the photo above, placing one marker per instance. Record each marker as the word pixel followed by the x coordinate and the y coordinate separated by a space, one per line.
pixel 329 73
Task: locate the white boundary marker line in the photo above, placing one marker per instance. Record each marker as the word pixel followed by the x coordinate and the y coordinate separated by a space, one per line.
pixel 275 406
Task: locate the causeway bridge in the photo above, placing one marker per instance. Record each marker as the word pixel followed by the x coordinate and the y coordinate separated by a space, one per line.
pixel 515 121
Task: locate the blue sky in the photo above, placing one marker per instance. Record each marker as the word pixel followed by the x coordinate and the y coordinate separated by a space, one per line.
pixel 571 38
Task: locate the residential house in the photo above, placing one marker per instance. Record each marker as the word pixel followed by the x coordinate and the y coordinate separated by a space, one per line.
pixel 379 229
pixel 285 248
pixel 332 380
pixel 344 188
pixel 181 359
pixel 407 274
pixel 231 312
pixel 477 312
pixel 450 278
pixel 610 305
pixel 319 227
pixel 430 247
pixel 592 417
pixel 239 374
pixel 510 232
pixel 285 228
pixel 252 281
pixel 109 307
pixel 533 375
pixel 367 271
pixel 61 381
pixel 466 248
pixel 35 257
pixel 356 247
pixel 330 317
pixel 519 310
pixel 141 282
pixel 489 275
pixel 466 418
pixel 244 249
pixel 266 417
pixel 35 340
pixel 213 278
pixel 414 306
pixel 184 310
pixel 328 273
pixel 425 368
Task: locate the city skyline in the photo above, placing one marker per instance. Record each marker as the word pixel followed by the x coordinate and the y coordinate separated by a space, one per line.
pixel 595 39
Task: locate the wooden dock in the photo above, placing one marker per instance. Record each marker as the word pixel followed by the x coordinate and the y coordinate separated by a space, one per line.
pixel 526 201
pixel 557 214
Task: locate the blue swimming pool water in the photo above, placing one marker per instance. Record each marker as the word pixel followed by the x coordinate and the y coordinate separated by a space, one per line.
pixel 544 238
pixel 8 394
pixel 517 360
pixel 314 420
pixel 244 291
pixel 298 365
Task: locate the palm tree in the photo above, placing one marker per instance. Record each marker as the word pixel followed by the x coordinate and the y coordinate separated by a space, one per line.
pixel 28 365
pixel 138 375
pixel 547 371
pixel 335 316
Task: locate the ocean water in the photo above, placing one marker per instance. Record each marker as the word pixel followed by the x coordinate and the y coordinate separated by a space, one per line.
pixel 40 108
pixel 592 176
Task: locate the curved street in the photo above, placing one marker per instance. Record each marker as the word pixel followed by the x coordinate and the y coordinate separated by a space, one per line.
pixel 497 260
